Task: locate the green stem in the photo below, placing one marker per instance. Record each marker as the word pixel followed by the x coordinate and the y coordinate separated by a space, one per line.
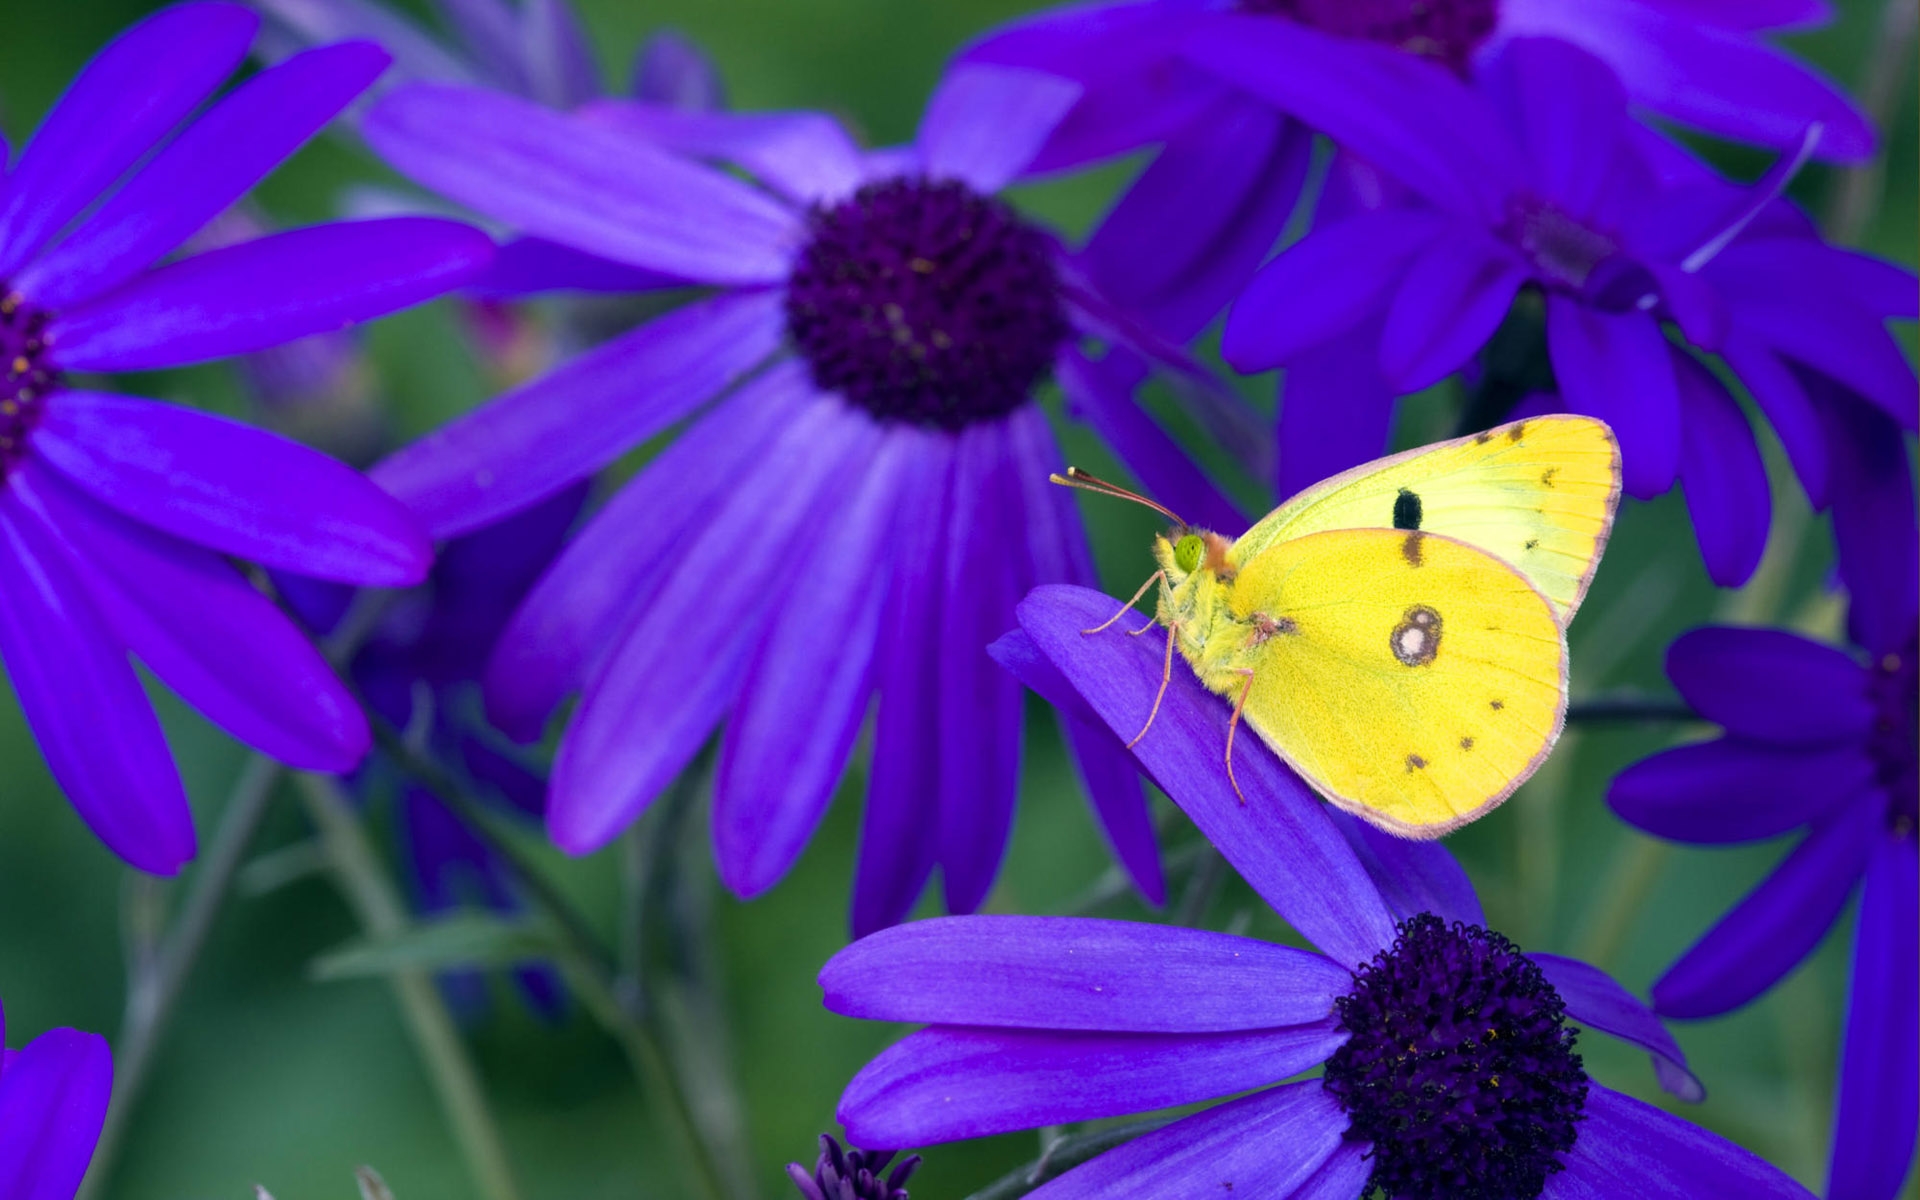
pixel 382 914
pixel 1062 1156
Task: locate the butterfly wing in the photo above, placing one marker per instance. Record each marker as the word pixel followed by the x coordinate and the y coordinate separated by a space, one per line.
pixel 1414 680
pixel 1539 494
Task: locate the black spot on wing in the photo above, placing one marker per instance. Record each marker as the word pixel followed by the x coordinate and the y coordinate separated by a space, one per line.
pixel 1533 543
pixel 1415 763
pixel 1466 743
pixel 1496 705
pixel 1406 509
pixel 1546 476
pixel 1410 549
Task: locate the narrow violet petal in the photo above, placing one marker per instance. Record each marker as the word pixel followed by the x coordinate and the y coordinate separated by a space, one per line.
pixel 538 438
pixel 1075 973
pixel 498 43
pixel 679 665
pixel 1757 14
pixel 125 100
pixel 1413 877
pixel 1572 114
pixel 1019 653
pixel 1692 302
pixel 1873 521
pixel 1594 999
pixel 1324 285
pixel 1788 409
pixel 1279 839
pixel 53 1100
pixel 1722 474
pixel 205 631
pixel 980 705
pixel 560 64
pixel 1835 337
pixel 201 173
pixel 985 123
pixel 1451 299
pixel 1103 394
pixel 807 689
pixel 1778 924
pixel 1771 685
pixel 948 1083
pixel 1336 410
pixel 233 488
pixel 417 54
pixel 261 293
pixel 1619 368
pixel 1879 1103
pixel 526 265
pixel 671 69
pixel 610 571
pixel 806 156
pixel 594 188
pixel 84 704
pixel 1280 1144
pixel 1412 119
pixel 1627 1147
pixel 899 830
pixel 1730 790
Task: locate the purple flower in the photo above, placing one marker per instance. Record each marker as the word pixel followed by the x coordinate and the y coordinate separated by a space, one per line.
pixel 857 517
pixel 53 1098
pixel 853 1174
pixel 1818 740
pixel 115 512
pixel 1450 1064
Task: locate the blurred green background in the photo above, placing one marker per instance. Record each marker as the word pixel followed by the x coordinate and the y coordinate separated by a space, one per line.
pixel 269 1077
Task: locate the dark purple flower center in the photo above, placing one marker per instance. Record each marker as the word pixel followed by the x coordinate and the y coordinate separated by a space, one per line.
pixel 1460 1068
pixel 1895 742
pixel 1447 31
pixel 926 302
pixel 853 1174
pixel 25 376
pixel 1565 254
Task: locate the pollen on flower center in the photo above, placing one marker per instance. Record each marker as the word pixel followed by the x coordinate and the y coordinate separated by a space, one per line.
pixel 1460 1068
pixel 1895 740
pixel 25 378
pixel 1448 31
pixel 926 302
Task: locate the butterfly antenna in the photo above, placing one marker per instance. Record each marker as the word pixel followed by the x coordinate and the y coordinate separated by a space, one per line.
pixel 1076 478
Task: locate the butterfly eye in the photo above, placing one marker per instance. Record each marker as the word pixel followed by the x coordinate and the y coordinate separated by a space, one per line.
pixel 1187 552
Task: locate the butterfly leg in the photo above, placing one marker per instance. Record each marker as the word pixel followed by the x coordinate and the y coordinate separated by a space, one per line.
pixel 1233 725
pixel 1166 677
pixel 1126 608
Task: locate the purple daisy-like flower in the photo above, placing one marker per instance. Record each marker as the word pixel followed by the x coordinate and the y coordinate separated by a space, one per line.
pixel 115 512
pixel 53 1099
pixel 853 1174
pixel 1450 1064
pixel 1814 740
pixel 857 517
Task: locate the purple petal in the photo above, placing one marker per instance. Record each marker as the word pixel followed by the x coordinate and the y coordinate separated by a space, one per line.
pixel 1279 839
pixel 559 59
pixel 268 291
pixel 1448 304
pixel 1873 520
pixel 1722 474
pixel 416 53
pixel 1626 1147
pixel 1413 877
pixel 1836 338
pixel 806 156
pixel 232 488
pixel 985 123
pixel 899 832
pixel 125 100
pixel 84 704
pixel 1019 653
pixel 1596 1000
pixel 1784 401
pixel 538 438
pixel 53 1100
pixel 1412 119
pixel 205 631
pixel 806 695
pixel 671 69
pixel 1571 114
pixel 1771 685
pixel 980 705
pixel 1620 368
pixel 1324 285
pixel 1073 973
pixel 1879 1103
pixel 201 173
pixel 948 1083
pixel 609 572
pixel 679 665
pixel 526 265
pixel 1281 1144
pixel 1777 925
pixel 583 184
pixel 1729 790
pixel 1716 79
pixel 1336 410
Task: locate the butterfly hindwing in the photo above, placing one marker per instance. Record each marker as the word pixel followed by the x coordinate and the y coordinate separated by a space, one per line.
pixel 1539 494
pixel 1411 678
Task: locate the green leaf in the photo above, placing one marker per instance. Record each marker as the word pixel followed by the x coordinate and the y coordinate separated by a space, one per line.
pixel 460 941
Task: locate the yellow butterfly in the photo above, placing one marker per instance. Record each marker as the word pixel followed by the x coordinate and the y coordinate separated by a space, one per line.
pixel 1397 633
